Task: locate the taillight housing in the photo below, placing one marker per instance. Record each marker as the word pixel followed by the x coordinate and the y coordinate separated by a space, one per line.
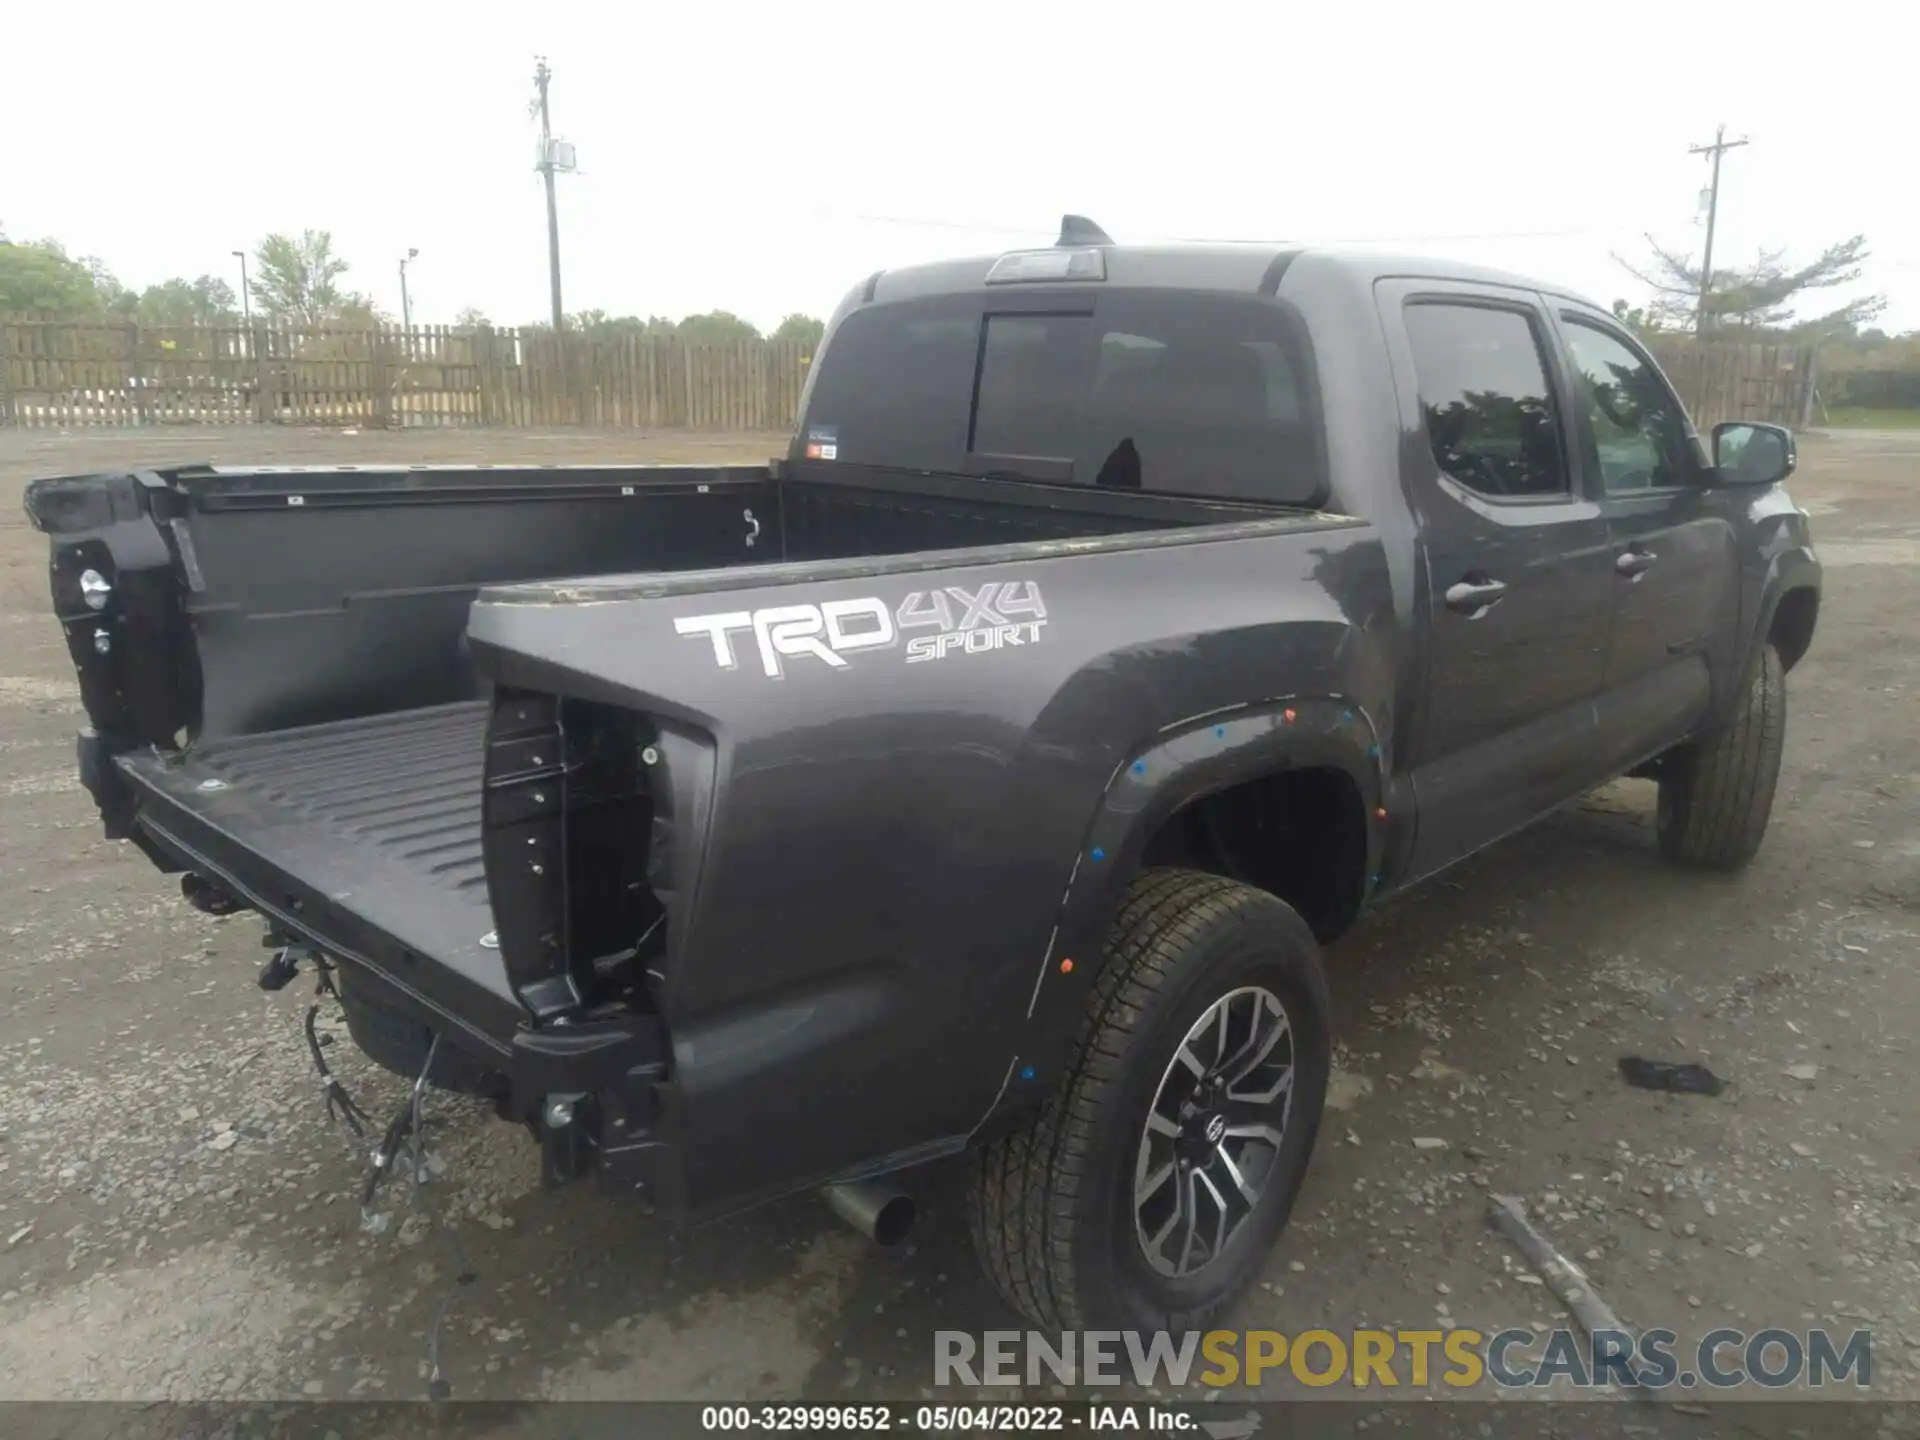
pixel 567 816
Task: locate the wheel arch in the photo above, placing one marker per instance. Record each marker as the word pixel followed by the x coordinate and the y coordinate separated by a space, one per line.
pixel 1781 610
pixel 1790 627
pixel 1298 832
pixel 1326 746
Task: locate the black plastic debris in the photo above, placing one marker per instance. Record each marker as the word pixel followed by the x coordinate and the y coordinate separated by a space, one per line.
pixel 1688 1079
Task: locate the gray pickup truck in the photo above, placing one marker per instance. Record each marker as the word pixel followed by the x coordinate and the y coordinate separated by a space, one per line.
pixel 985 775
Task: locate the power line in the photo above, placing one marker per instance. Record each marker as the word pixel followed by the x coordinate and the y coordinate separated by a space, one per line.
pixel 977 228
pixel 1719 147
pixel 972 226
pixel 1421 239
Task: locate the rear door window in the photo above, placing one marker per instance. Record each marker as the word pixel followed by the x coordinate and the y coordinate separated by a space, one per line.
pixel 1489 410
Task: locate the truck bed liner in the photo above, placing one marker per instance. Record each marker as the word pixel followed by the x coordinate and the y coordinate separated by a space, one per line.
pixel 364 834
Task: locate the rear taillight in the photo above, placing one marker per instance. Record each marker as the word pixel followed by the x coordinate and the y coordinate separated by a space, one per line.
pixel 83 577
pixel 131 646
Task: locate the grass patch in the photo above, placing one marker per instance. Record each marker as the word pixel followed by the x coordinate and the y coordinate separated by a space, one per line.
pixel 1852 417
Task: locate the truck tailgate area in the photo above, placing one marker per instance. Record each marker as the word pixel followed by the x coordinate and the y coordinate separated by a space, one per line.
pixel 362 836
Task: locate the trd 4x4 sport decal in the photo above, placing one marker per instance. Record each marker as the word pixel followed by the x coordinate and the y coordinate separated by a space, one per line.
pixel 961 621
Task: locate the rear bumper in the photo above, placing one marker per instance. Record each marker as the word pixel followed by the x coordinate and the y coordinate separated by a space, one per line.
pixel 593 1092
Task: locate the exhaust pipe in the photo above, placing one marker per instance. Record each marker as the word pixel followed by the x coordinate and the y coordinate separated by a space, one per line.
pixel 877 1208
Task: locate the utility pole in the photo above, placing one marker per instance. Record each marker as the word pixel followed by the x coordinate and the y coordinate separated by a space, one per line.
pixel 1718 148
pixel 541 75
pixel 255 346
pixel 406 310
pixel 246 305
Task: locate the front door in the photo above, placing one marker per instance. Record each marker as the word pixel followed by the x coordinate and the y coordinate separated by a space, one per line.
pixel 1518 570
pixel 1676 571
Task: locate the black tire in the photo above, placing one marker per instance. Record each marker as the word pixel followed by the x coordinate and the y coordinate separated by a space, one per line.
pixel 1052 1201
pixel 1716 795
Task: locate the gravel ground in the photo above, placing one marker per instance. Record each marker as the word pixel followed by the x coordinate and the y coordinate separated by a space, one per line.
pixel 178 1221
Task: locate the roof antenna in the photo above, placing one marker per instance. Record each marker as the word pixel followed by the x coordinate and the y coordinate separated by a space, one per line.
pixel 1079 230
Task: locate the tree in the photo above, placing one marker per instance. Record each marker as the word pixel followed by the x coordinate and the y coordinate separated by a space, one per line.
pixel 354 311
pixel 716 327
pixel 205 301
pixel 472 318
pixel 297 280
pixel 1634 318
pixel 1764 295
pixel 109 294
pixel 40 275
pixel 802 329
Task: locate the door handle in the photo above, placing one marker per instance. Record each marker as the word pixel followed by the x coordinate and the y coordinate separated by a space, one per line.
pixel 754 533
pixel 1633 563
pixel 1471 596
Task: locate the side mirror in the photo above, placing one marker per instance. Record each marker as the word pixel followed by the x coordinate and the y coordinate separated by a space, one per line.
pixel 1746 452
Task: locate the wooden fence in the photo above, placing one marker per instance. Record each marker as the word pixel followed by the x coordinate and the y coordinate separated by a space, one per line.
pixel 1726 380
pixel 61 373
pixel 65 373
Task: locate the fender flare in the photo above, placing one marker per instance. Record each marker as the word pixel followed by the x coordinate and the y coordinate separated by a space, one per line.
pixel 1788 573
pixel 1184 762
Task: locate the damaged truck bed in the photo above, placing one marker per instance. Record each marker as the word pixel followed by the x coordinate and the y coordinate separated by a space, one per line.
pixel 447 801
pixel 362 833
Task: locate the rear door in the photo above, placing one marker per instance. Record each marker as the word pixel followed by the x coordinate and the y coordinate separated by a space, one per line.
pixel 1518 571
pixel 1675 586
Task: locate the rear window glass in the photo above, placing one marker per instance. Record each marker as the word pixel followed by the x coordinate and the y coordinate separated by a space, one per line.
pixel 894 386
pixel 1170 393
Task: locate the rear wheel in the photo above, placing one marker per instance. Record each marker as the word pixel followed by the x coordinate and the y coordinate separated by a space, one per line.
pixel 1146 1189
pixel 1716 795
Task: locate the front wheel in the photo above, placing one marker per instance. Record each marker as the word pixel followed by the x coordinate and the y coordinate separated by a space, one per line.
pixel 1146 1189
pixel 1716 796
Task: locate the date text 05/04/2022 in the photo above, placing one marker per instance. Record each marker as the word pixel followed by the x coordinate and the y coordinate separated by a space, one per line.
pixel 975 1419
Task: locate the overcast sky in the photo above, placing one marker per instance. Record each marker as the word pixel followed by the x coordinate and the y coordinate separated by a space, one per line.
pixel 761 160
